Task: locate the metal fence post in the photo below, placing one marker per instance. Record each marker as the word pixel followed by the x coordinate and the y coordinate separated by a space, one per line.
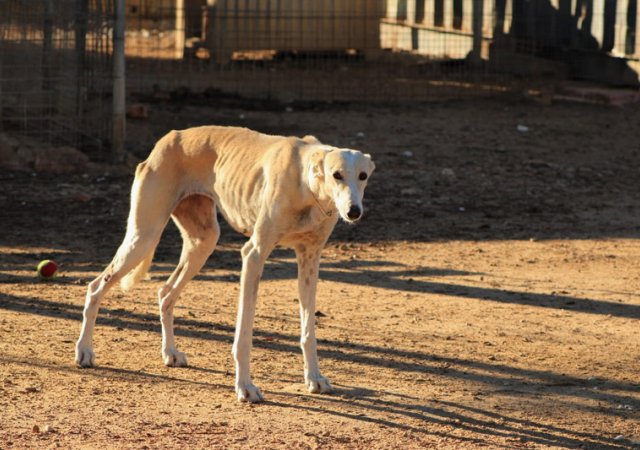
pixel 1 81
pixel 47 48
pixel 477 25
pixel 119 118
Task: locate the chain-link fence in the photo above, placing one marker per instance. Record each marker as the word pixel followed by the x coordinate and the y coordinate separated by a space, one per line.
pixel 55 70
pixel 56 56
pixel 321 50
pixel 376 50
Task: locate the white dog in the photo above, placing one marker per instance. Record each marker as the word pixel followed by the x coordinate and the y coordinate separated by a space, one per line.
pixel 276 190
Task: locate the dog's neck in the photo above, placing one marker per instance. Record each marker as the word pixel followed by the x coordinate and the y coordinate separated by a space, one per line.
pixel 324 212
pixel 322 199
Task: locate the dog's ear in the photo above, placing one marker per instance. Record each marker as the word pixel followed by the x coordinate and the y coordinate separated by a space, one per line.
pixel 372 166
pixel 316 168
pixel 309 139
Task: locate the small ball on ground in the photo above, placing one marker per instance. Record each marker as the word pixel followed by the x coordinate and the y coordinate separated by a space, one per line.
pixel 47 268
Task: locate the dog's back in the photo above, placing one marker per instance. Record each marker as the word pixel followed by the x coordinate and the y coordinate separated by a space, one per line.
pixel 202 146
pixel 228 164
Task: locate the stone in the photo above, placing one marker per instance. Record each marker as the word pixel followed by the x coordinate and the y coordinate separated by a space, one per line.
pixel 137 111
pixel 60 160
pixel 12 155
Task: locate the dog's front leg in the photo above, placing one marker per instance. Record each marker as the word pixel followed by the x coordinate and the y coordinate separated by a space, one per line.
pixel 254 256
pixel 308 270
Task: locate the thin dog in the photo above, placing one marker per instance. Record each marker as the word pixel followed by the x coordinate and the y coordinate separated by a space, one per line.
pixel 276 190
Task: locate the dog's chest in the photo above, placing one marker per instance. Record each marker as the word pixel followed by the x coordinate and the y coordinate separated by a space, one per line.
pixel 305 219
pixel 309 226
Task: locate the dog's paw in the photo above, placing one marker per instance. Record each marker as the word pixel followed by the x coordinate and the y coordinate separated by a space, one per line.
pixel 174 358
pixel 319 385
pixel 249 393
pixel 85 357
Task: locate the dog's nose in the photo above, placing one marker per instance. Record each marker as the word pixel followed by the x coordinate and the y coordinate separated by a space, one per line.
pixel 354 212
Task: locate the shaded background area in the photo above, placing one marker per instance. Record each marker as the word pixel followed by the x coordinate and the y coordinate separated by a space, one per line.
pixel 444 171
pixel 57 58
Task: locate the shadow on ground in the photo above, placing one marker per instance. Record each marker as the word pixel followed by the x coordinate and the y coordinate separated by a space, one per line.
pixel 380 274
pixel 358 403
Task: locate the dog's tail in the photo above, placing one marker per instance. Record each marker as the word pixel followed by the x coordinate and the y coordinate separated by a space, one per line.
pixel 132 278
pixel 150 210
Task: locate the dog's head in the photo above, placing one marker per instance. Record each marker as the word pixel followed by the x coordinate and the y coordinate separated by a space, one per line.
pixel 343 175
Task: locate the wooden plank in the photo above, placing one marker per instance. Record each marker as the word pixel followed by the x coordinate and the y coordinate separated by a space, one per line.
pixel 631 35
pixel 621 27
pixel 179 29
pixel 448 14
pixel 637 33
pixel 597 23
pixel 294 25
pixel 411 12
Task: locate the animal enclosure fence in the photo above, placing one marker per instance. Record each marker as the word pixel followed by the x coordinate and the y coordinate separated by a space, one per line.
pixel 56 57
pixel 55 70
pixel 376 50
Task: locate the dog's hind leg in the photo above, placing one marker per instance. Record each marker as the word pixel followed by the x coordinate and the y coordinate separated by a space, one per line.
pixel 147 219
pixel 196 219
pixel 133 250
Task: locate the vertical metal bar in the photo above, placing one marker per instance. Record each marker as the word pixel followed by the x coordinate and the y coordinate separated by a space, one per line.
pixel 81 19
pixel 119 119
pixel 563 24
pixel 47 45
pixel 499 17
pixel 419 12
pixel 458 11
pixel 588 15
pixel 630 38
pixel 609 25
pixel 1 80
pixel 438 13
pixel 46 98
pixel 477 19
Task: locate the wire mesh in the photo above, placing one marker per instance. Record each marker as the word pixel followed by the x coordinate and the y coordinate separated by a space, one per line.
pixel 56 55
pixel 375 50
pixel 323 50
pixel 55 70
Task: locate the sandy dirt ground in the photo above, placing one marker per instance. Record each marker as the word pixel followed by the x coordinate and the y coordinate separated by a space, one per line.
pixel 488 299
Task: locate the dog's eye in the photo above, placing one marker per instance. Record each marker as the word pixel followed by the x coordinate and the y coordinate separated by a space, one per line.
pixel 362 176
pixel 337 175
